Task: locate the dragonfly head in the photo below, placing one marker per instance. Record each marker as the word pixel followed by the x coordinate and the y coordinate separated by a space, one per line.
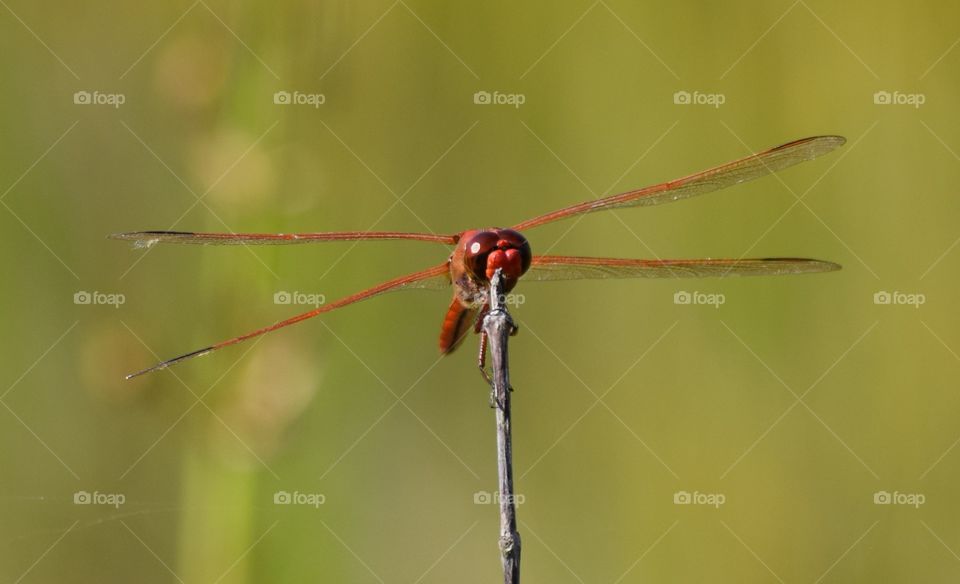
pixel 487 250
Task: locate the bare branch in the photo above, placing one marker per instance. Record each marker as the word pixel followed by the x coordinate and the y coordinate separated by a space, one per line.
pixel 498 326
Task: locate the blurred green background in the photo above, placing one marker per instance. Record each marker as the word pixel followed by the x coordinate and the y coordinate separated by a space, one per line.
pixel 625 400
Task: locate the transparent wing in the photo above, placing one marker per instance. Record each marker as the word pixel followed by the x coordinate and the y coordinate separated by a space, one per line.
pixel 548 268
pixel 435 278
pixel 707 181
pixel 150 238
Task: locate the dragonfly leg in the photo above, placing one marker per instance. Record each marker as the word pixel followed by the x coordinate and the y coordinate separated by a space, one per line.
pixel 482 364
pixel 514 329
pixel 482 358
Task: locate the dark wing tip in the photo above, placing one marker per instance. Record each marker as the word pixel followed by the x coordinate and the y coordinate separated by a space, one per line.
pixel 143 234
pixel 833 141
pixel 142 239
pixel 828 266
pixel 836 139
pixel 818 145
pixel 828 143
pixel 807 265
pixel 831 266
pixel 169 362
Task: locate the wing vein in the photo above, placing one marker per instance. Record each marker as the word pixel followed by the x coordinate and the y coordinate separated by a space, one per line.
pixel 707 181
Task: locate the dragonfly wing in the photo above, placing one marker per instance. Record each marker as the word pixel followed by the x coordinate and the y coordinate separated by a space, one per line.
pixel 700 183
pixel 150 238
pixel 549 268
pixel 435 278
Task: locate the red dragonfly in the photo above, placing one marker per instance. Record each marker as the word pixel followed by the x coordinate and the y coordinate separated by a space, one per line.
pixel 478 253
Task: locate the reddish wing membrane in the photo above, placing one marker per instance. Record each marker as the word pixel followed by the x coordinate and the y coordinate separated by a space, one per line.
pixel 544 268
pixel 435 278
pixel 150 238
pixel 707 181
pixel 548 268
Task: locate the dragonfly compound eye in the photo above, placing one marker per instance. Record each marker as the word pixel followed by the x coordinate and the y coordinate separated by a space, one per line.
pixel 508 239
pixel 476 250
pixel 505 249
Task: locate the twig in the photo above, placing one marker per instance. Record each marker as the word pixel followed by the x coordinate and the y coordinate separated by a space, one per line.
pixel 498 326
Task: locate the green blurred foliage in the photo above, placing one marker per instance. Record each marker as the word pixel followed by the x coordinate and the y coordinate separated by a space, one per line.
pixel 797 400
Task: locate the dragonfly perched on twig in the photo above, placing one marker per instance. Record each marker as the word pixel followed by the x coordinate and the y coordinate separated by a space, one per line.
pixel 478 253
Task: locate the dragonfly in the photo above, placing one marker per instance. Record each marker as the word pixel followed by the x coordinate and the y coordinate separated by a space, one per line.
pixel 479 253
